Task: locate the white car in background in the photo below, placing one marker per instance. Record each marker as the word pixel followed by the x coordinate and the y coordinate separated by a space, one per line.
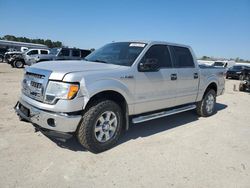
pixel 28 56
pixel 18 59
pixel 225 64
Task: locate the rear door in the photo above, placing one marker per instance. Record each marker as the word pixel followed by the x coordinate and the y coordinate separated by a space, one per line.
pixel 156 90
pixel 187 75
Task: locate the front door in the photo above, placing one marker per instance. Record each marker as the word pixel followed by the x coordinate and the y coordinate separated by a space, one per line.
pixel 156 90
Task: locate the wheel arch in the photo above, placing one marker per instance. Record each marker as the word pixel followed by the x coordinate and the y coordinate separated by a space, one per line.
pixel 211 85
pixel 114 96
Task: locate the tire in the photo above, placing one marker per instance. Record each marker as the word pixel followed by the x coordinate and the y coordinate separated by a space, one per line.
pixel 206 107
pixel 88 132
pixel 1 58
pixel 18 64
pixel 242 87
pixel 226 77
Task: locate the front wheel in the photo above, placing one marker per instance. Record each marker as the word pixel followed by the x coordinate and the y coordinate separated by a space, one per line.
pixel 101 126
pixel 18 64
pixel 206 107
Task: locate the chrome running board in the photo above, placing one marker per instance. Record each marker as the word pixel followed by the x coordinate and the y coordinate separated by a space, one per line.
pixel 162 114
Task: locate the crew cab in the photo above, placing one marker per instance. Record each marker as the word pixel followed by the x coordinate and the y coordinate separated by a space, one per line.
pixel 120 84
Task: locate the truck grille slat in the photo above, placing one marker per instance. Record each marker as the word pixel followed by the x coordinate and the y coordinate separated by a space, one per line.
pixel 34 84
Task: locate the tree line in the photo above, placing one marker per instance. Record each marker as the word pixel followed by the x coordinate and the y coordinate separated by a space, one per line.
pixel 47 42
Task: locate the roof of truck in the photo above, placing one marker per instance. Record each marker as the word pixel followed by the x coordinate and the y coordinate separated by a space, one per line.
pixel 155 42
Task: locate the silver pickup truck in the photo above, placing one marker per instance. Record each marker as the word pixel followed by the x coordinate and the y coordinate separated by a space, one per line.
pixel 120 84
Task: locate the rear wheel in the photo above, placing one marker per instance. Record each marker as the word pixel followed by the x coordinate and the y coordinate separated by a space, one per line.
pixel 206 107
pixel 18 64
pixel 101 126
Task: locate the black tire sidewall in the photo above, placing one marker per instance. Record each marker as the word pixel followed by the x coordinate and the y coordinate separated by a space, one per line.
pixel 15 64
pixel 86 133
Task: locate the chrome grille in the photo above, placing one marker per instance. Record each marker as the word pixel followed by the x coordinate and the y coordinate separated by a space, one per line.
pixel 34 83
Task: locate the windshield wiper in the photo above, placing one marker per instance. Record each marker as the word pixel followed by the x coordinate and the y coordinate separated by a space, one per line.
pixel 100 61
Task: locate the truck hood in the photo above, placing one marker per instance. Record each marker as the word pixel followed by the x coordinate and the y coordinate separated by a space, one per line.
pixel 59 69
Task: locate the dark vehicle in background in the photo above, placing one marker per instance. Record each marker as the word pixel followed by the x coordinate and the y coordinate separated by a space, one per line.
pixel 236 72
pixel 60 54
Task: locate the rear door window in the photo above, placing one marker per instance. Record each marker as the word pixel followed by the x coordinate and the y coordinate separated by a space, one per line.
pixel 32 52
pixel 64 52
pixel 76 53
pixel 183 57
pixel 44 52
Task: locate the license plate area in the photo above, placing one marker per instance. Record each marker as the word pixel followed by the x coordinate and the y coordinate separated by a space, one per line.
pixel 24 110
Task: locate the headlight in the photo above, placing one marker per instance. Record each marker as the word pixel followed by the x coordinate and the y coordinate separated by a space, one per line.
pixel 60 90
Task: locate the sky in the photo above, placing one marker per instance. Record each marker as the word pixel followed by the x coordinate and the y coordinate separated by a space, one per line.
pixel 218 28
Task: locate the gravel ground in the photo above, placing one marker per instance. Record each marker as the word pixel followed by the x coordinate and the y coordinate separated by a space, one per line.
pixel 178 151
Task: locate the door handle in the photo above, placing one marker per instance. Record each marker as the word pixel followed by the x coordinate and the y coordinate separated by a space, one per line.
pixel 196 75
pixel 173 76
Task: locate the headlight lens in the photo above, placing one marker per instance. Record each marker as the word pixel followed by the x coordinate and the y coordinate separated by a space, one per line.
pixel 60 90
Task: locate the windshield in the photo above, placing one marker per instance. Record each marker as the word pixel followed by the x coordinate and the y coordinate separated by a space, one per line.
pixel 218 64
pixel 54 51
pixel 119 53
pixel 237 67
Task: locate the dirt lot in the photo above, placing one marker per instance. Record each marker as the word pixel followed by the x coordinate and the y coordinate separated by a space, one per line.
pixel 178 151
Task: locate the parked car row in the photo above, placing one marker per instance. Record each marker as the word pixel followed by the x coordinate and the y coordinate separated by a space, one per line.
pixel 32 56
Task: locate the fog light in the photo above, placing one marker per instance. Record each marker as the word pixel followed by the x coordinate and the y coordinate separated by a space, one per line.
pixel 51 122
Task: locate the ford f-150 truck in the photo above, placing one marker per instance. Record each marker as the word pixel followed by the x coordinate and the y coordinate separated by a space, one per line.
pixel 120 84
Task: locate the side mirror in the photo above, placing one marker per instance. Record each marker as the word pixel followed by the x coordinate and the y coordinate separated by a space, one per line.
pixel 149 65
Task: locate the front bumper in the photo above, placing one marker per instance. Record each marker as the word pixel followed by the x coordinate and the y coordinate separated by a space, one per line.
pixel 60 122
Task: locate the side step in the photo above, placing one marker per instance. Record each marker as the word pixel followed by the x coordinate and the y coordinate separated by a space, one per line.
pixel 162 114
